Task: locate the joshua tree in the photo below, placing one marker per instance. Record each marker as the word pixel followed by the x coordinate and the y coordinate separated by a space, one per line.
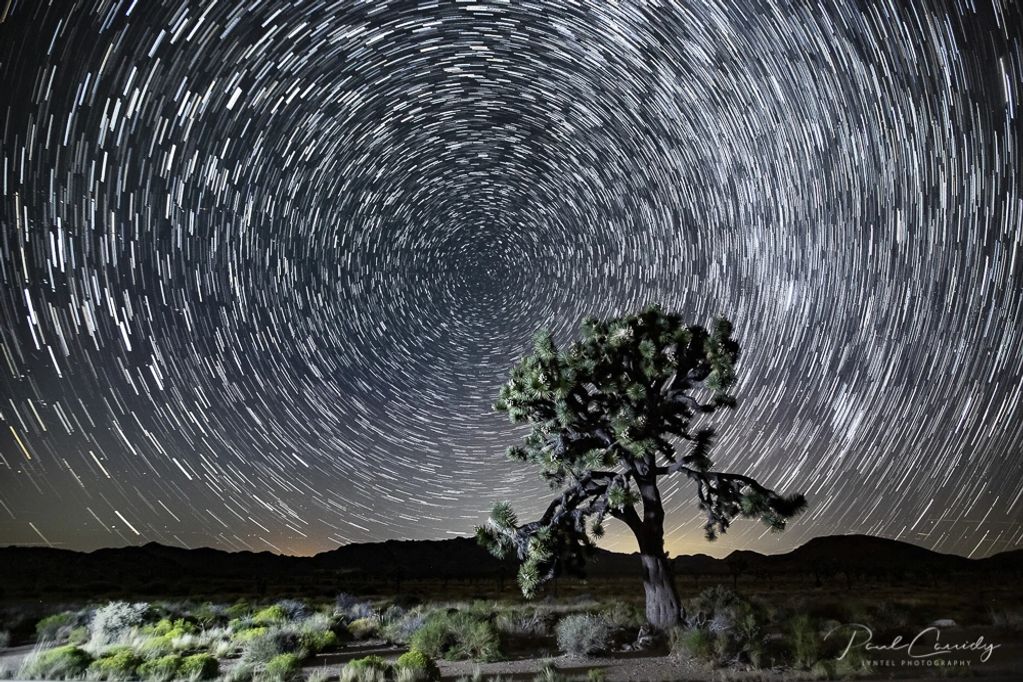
pixel 609 416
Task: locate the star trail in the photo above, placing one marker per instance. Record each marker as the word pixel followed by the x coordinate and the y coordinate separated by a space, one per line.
pixel 265 264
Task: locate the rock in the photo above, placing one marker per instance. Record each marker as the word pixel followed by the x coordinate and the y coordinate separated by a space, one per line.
pixel 944 623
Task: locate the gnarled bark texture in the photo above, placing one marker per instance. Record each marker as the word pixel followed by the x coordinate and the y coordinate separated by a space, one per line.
pixel 662 604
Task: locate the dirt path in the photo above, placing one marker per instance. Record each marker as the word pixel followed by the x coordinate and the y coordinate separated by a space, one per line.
pixel 672 669
pixel 635 668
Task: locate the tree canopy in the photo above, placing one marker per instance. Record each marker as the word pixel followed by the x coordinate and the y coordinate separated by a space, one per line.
pixel 610 414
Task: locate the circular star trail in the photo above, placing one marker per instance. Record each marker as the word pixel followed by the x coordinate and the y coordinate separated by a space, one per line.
pixel 265 265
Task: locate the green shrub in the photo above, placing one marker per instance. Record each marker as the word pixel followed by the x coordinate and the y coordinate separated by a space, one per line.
pixel 458 635
pixel 199 667
pixel 550 673
pixel 583 634
pixel 161 669
pixel 805 642
pixel 350 674
pixel 367 669
pixel 208 615
pixel 715 599
pixel 318 640
pixel 242 672
pixel 401 629
pixel 270 615
pixel 693 642
pixel 853 663
pixel 284 667
pixel 63 662
pixel 78 635
pixel 364 628
pixel 168 628
pixel 417 666
pixel 369 663
pixel 273 642
pixel 823 670
pixel 624 615
pixel 118 663
pixel 242 636
pixel 239 609
pixel 319 675
pixel 55 626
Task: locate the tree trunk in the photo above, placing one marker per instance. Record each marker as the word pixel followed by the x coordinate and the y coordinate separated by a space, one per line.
pixel 662 604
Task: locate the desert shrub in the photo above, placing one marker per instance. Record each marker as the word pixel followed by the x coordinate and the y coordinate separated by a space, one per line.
pixel 319 675
pixel 366 669
pixel 353 608
pixel 270 615
pixel 369 663
pixel 458 635
pixel 199 667
pixel 242 672
pixel 350 674
pixel 596 675
pixel 78 635
pixel 401 629
pixel 583 634
pixel 239 609
pixel 61 663
pixel 5 639
pixel 55 627
pixel 734 623
pixel 320 632
pixel 118 663
pixel 522 624
pixel 715 598
pixel 1006 617
pixel 364 628
pixel 160 669
pixel 164 636
pixel 415 666
pixel 696 643
pixel 392 613
pixel 209 615
pixel 166 627
pixel 774 651
pixel 294 609
pixel 284 667
pixel 804 640
pixel 242 636
pixel 549 673
pixel 273 642
pixel 852 664
pixel 823 670
pixel 316 641
pixel 112 622
pixel 624 615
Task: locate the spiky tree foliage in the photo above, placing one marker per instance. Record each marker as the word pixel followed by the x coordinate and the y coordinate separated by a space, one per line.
pixel 609 416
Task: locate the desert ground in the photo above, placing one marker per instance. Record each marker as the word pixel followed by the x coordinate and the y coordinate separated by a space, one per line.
pixel 739 629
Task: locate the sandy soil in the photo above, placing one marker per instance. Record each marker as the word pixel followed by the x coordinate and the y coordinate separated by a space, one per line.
pixel 638 667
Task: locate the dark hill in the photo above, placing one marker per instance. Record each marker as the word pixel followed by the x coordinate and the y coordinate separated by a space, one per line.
pixel 158 570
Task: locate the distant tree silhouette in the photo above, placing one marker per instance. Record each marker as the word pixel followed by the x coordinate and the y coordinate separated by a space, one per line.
pixel 737 565
pixel 610 415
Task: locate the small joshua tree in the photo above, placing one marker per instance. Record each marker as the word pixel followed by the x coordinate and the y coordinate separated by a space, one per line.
pixel 610 416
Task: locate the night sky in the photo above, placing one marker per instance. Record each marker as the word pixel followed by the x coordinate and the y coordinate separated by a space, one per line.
pixel 265 264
